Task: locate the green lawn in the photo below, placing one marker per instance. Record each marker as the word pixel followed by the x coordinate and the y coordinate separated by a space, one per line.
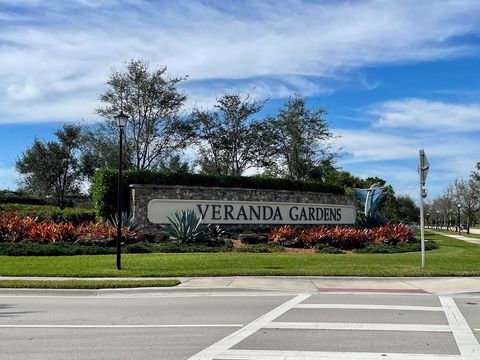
pixel 453 258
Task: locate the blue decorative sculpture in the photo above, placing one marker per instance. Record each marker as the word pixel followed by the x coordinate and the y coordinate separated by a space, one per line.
pixel 370 198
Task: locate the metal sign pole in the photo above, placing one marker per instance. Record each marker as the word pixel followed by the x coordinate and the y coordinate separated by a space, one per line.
pixel 423 168
pixel 422 224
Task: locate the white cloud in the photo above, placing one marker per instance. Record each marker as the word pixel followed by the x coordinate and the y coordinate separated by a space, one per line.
pixel 22 91
pixel 388 146
pixel 424 114
pixel 60 51
pixel 374 144
pixel 202 95
pixel 8 178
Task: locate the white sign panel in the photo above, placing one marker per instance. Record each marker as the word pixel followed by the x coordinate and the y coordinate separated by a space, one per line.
pixel 253 212
pixel 423 167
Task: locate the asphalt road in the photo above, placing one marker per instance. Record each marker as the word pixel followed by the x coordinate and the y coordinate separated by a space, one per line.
pixel 349 326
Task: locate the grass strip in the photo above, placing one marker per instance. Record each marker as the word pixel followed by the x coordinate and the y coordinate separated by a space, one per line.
pixel 85 284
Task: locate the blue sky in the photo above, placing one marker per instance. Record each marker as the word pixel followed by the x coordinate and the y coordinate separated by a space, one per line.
pixel 396 76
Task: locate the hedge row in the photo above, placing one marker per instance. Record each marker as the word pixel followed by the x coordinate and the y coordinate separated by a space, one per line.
pixel 411 246
pixel 104 187
pixel 14 197
pixel 70 249
pixel 51 213
pixel 60 249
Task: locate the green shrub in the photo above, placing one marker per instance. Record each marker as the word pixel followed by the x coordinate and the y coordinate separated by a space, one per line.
pixel 69 249
pixel 51 213
pixel 261 248
pixel 329 250
pixel 16 197
pixel 60 249
pixel 251 238
pixel 140 248
pixel 104 185
pixel 174 247
pixel 411 246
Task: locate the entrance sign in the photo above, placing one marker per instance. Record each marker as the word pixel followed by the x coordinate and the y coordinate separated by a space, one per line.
pixel 252 212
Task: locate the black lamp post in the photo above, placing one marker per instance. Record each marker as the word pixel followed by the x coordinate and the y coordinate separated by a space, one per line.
pixel 458 218
pixel 121 120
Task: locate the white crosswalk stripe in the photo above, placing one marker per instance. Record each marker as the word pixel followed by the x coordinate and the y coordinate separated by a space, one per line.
pixel 320 355
pixel 467 344
pixel 357 326
pixel 213 351
pixel 369 307
pixel 466 341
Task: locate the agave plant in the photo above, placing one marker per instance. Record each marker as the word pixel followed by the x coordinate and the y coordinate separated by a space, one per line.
pixel 216 232
pixel 186 226
pixel 128 222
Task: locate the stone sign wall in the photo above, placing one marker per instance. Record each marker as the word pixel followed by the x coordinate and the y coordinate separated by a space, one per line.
pixel 235 207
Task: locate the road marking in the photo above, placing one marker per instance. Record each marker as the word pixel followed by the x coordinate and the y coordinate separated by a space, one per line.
pixel 317 355
pixel 357 326
pixel 466 341
pixel 338 291
pixel 371 290
pixel 213 351
pixel 60 326
pixel 369 307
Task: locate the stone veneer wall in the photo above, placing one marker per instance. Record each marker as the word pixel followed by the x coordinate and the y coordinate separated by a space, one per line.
pixel 140 196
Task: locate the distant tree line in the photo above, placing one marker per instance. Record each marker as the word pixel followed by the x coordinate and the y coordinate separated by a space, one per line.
pixel 230 138
pixel 462 195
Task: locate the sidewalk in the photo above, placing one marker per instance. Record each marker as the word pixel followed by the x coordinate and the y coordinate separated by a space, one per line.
pixel 458 237
pixel 308 284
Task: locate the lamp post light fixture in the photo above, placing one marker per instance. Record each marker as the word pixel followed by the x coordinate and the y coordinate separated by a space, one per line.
pixel 458 218
pixel 121 120
pixel 437 219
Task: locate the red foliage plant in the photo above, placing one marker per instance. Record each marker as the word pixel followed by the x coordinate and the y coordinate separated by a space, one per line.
pixel 351 238
pixel 16 228
pixel 282 232
pixel 391 234
pixel 318 235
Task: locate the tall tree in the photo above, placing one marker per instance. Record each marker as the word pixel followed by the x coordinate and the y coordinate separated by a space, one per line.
pixel 300 139
pixel 475 174
pixel 467 194
pixel 230 140
pixel 53 168
pixel 408 212
pixel 100 148
pixel 150 98
pixel 175 164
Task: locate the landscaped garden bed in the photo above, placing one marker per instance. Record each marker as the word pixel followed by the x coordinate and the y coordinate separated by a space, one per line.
pixel 26 236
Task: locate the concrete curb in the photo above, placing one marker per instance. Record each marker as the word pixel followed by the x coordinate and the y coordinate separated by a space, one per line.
pixel 251 285
pixel 12 292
